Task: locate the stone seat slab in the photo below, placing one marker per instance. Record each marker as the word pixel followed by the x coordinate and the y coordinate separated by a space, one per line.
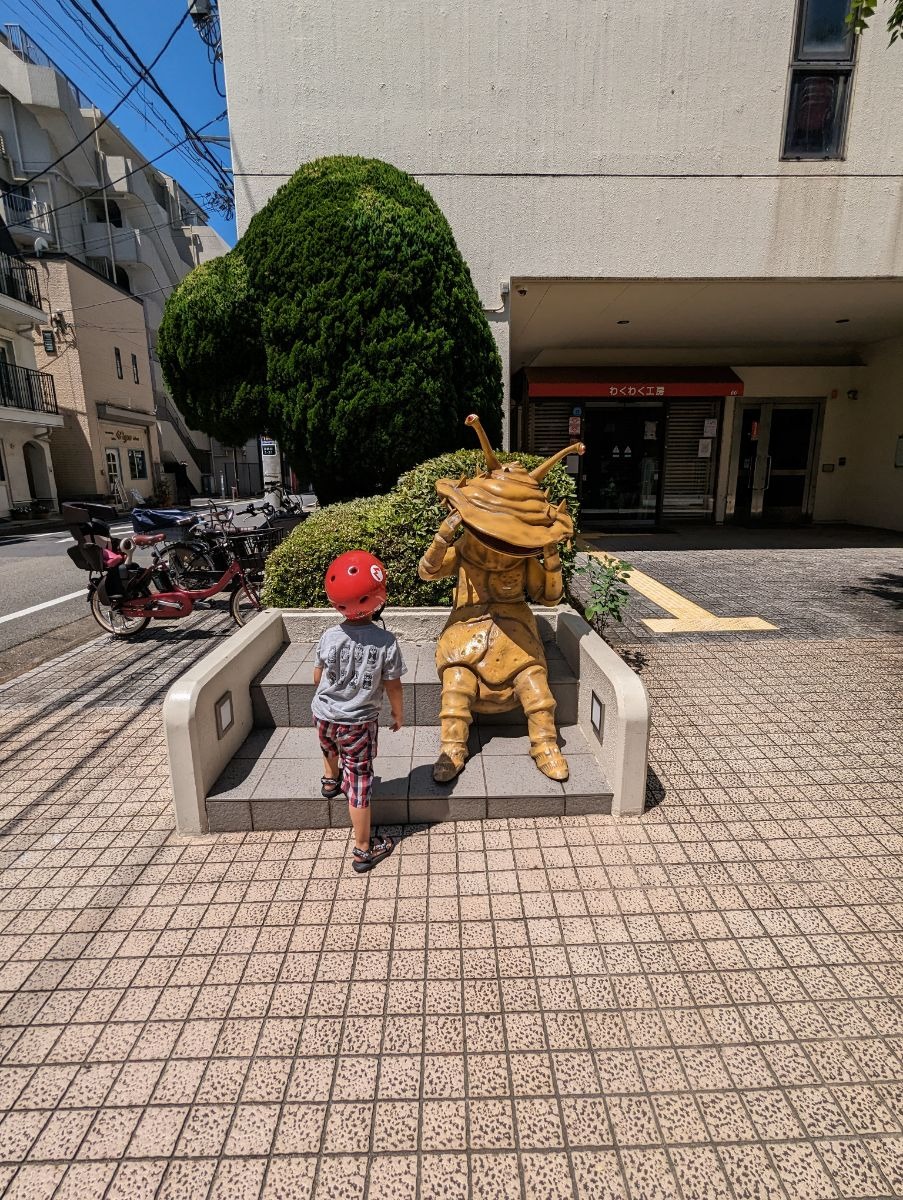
pixel 282 692
pixel 280 787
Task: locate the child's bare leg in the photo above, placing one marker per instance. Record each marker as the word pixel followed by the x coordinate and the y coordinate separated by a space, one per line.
pixel 330 766
pixel 360 823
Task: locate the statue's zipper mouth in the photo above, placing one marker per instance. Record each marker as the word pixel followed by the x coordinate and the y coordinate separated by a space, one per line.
pixel 501 547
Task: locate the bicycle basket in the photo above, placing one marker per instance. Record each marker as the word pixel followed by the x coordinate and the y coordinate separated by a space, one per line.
pixel 252 548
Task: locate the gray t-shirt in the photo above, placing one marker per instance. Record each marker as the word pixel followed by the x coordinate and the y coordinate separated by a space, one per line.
pixel 355 661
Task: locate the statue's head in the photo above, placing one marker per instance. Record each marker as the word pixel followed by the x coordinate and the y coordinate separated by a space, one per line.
pixel 505 507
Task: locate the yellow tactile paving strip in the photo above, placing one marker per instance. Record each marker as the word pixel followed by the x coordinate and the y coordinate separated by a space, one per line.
pixel 687 617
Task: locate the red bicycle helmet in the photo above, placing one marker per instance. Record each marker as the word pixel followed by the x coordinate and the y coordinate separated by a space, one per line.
pixel 356 584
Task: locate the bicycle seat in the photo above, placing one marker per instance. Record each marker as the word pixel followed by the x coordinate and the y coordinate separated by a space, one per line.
pixel 148 539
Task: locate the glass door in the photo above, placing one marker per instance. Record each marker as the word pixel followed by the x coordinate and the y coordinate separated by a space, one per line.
pixel 621 468
pixel 774 453
pixel 114 467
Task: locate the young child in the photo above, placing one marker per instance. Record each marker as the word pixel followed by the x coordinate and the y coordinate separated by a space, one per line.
pixel 355 662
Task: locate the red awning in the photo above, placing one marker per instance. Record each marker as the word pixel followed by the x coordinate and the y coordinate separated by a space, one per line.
pixel 632 383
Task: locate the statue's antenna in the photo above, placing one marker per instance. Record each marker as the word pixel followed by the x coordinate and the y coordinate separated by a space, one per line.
pixel 488 453
pixel 539 473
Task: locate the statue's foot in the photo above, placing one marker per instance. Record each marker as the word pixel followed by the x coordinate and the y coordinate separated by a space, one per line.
pixel 550 760
pixel 451 760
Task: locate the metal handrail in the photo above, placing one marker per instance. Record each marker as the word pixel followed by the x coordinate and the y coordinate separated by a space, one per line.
pixel 25 210
pixel 27 49
pixel 21 387
pixel 165 411
pixel 19 280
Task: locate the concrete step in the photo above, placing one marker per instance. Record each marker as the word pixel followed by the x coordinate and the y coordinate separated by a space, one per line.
pixel 282 692
pixel 274 781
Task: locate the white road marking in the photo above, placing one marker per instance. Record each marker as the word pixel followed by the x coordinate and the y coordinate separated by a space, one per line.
pixel 24 612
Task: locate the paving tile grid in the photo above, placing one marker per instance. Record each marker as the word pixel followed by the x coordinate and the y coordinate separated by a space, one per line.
pixel 834 592
pixel 703 1002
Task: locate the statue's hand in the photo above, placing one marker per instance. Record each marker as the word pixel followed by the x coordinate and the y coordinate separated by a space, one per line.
pixel 550 551
pixel 449 526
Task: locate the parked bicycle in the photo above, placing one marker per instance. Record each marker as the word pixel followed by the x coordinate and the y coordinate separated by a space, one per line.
pixel 125 597
pixel 210 545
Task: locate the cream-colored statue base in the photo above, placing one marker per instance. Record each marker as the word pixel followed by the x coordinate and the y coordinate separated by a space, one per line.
pixel 500 540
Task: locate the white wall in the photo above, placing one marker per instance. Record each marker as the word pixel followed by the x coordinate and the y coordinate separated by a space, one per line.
pixel 876 486
pixel 491 102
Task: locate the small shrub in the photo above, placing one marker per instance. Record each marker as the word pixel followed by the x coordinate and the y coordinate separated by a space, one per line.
pixel 397 527
pixel 608 595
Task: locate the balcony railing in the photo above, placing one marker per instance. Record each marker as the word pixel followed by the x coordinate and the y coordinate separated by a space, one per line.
pixel 20 387
pixel 19 280
pixel 25 47
pixel 25 210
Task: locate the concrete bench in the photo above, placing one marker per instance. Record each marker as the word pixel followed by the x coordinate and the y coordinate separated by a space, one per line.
pixel 244 755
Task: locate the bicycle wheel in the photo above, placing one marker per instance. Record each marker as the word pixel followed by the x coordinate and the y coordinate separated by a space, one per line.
pixel 244 603
pixel 192 568
pixel 113 621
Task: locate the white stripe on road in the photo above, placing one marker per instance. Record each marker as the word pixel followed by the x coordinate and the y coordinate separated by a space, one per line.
pixel 24 612
pixel 33 537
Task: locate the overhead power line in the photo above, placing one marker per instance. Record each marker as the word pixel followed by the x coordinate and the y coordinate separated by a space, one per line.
pixel 121 178
pixel 136 61
pixel 72 48
pixel 119 103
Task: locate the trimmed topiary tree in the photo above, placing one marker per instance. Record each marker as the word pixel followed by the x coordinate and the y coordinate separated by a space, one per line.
pixel 211 353
pixel 345 323
pixel 397 527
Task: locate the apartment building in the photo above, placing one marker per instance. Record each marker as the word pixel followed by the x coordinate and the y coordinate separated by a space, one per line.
pixel 684 222
pixel 29 413
pixel 94 347
pixel 104 206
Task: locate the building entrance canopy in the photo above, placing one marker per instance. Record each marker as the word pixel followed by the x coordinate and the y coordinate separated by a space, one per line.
pixel 627 383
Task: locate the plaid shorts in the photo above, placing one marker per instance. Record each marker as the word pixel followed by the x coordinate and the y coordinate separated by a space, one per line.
pixel 356 746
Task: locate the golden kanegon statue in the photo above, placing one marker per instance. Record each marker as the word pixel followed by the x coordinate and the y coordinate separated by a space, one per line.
pixel 490 656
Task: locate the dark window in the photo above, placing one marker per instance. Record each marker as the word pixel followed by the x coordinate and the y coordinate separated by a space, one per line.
pixel 2 468
pixel 49 341
pixel 820 77
pixel 815 117
pixel 137 464
pixel 135 368
pixel 823 32
pixel 118 358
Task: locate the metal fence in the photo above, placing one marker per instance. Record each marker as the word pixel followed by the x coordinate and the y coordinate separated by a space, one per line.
pixel 20 387
pixel 19 280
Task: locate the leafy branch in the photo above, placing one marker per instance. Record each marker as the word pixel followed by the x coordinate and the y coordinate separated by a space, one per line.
pixel 862 11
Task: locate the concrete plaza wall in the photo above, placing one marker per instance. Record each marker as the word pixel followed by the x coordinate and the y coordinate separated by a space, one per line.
pixel 199 751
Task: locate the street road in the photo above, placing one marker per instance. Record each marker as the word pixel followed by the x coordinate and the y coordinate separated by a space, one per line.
pixel 42 599
pixel 43 610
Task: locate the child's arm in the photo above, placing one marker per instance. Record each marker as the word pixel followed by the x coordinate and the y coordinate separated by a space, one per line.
pixel 318 675
pixel 396 700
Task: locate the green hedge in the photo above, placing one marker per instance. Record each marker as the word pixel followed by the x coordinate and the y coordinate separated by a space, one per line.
pixel 345 323
pixel 397 527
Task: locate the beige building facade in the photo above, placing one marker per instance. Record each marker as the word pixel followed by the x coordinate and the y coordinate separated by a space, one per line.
pixel 94 347
pixel 683 221
pixel 29 414
pixel 103 204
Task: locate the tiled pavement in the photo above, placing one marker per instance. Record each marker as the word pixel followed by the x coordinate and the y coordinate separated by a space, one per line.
pixel 703 1002
pixel 810 583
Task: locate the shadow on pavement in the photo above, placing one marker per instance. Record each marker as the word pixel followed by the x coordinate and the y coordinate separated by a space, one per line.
pixel 885 587
pixel 655 790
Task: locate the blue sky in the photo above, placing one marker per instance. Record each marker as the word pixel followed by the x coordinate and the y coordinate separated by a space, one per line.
pixel 184 73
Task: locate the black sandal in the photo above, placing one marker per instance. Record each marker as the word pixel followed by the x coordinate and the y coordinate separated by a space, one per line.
pixel 366 860
pixel 330 788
